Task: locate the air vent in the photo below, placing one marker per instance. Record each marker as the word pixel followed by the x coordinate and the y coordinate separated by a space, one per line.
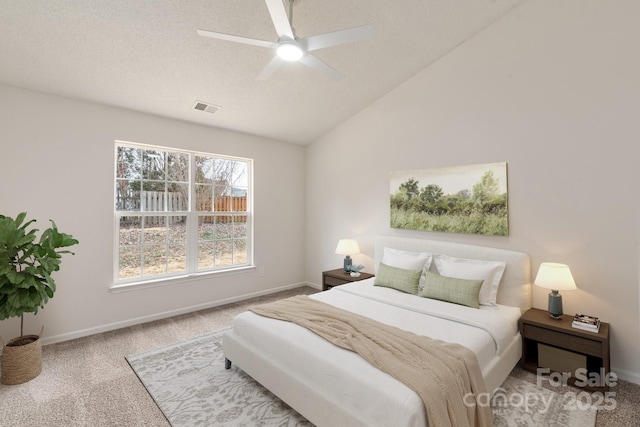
pixel 208 108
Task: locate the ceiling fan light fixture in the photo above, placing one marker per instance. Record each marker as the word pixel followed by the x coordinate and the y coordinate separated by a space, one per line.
pixel 290 51
pixel 289 48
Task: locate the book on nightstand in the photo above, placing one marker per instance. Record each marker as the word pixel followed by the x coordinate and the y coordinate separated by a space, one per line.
pixel 586 322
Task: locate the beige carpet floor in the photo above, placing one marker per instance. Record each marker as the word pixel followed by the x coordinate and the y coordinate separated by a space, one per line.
pixel 88 382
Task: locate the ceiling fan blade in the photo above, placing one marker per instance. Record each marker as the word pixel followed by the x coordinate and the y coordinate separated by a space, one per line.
pixel 238 39
pixel 271 68
pixel 280 19
pixel 317 65
pixel 337 37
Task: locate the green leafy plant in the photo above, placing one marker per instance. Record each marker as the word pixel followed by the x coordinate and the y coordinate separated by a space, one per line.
pixel 356 268
pixel 26 265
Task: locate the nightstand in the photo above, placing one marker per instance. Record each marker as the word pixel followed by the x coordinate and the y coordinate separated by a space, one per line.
pixel 557 340
pixel 338 277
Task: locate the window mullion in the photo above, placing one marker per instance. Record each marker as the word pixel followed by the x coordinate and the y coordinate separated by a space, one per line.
pixel 192 219
pixel 165 197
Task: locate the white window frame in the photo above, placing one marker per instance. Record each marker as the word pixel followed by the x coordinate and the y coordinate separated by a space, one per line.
pixel 192 215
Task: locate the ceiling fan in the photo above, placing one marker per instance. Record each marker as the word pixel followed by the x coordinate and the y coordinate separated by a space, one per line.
pixel 290 48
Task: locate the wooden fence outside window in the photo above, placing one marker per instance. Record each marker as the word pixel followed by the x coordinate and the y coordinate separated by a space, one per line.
pixel 154 201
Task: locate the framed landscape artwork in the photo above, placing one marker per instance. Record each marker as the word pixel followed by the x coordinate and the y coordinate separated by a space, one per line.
pixel 468 199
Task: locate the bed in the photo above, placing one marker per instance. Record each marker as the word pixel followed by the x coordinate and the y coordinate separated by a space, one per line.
pixel 331 386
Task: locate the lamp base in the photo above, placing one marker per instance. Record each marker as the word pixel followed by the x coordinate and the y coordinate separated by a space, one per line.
pixel 347 263
pixel 555 305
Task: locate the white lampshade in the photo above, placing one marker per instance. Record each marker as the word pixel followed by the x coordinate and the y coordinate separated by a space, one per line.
pixel 347 247
pixel 554 276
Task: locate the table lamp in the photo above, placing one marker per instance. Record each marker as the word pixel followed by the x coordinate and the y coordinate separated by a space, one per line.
pixel 347 247
pixel 556 277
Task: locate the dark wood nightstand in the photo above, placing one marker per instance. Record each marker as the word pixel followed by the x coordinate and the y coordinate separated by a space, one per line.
pixel 338 277
pixel 536 327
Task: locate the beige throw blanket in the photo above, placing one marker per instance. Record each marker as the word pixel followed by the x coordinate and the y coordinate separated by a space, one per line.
pixel 441 373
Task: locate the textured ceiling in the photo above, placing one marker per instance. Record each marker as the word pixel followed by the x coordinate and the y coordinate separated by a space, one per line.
pixel 145 55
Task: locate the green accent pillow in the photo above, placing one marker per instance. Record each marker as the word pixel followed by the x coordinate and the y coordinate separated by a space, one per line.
pixel 398 278
pixel 450 289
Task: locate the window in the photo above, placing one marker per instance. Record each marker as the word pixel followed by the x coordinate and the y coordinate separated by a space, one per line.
pixel 179 212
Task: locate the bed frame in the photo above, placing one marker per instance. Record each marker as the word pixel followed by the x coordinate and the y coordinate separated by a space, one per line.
pixel 318 406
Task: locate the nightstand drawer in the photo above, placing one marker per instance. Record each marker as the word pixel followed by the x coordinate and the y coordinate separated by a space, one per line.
pixel 333 281
pixel 564 340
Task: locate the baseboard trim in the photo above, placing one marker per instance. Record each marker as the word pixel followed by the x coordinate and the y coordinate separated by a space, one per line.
pixel 625 375
pixel 164 315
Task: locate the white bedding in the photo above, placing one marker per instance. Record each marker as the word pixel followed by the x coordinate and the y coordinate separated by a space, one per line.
pixel 446 321
pixel 331 386
pixel 378 398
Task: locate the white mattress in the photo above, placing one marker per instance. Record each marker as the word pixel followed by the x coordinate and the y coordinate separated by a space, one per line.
pixel 376 397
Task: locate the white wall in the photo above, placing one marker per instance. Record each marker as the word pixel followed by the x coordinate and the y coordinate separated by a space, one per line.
pixel 56 161
pixel 553 90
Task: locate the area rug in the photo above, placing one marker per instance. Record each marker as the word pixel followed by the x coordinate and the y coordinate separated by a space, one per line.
pixel 188 382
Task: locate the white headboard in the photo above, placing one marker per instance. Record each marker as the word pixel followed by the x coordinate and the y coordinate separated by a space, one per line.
pixel 515 286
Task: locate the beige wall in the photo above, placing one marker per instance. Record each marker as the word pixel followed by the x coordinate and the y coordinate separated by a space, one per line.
pixel 553 90
pixel 56 161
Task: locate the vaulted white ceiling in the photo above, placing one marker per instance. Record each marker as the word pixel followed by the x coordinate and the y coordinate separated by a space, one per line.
pixel 145 55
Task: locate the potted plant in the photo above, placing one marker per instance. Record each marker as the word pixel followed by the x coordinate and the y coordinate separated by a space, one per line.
pixel 26 265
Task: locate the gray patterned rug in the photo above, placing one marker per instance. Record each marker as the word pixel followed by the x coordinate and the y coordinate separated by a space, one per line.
pixel 188 382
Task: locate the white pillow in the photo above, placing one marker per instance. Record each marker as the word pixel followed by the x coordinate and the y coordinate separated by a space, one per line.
pixel 408 260
pixel 473 269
